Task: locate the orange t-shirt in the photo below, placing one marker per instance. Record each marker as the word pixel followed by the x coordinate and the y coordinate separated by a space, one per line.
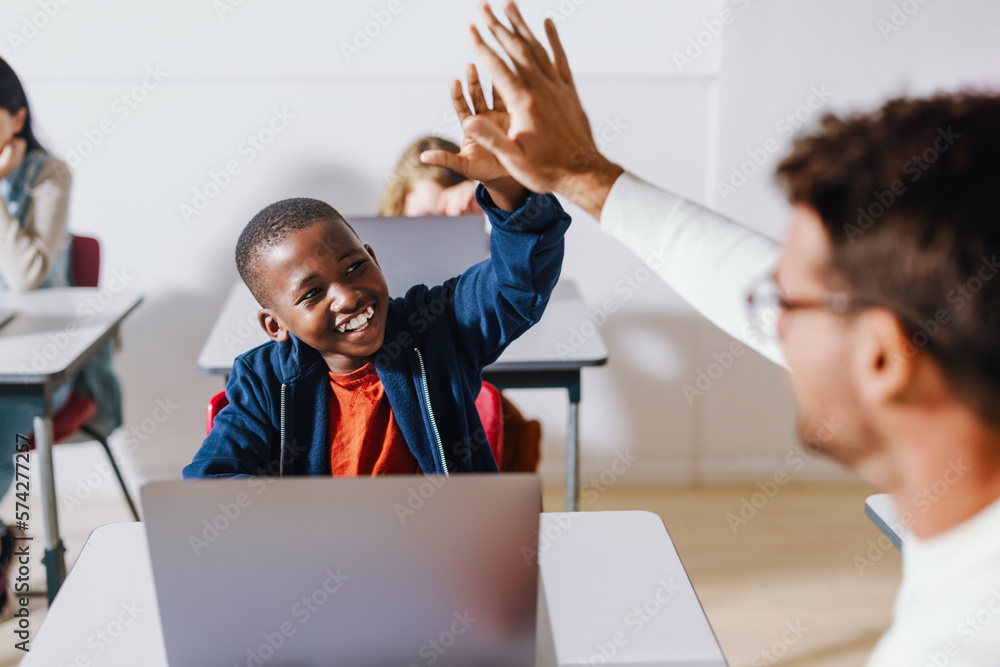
pixel 364 437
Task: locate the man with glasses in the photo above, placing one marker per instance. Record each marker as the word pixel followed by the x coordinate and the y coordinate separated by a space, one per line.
pixel 886 309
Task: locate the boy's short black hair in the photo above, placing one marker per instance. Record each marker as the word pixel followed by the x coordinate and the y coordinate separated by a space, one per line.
pixel 270 227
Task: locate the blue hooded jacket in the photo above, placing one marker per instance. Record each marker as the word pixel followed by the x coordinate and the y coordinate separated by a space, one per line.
pixel 437 341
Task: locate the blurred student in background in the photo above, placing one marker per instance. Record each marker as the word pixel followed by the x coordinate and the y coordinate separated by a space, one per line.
pixel 35 254
pixel 418 189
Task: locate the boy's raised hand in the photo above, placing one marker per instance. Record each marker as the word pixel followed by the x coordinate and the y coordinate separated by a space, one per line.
pixel 473 160
pixel 548 144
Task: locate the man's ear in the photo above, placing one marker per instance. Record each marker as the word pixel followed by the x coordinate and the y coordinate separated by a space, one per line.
pixel 372 253
pixel 884 357
pixel 272 327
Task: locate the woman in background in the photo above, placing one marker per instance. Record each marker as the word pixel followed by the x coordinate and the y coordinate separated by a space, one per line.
pixel 34 188
pixel 35 254
pixel 418 189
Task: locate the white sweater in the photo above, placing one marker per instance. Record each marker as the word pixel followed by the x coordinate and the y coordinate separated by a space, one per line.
pixel 947 611
pixel 948 607
pixel 713 262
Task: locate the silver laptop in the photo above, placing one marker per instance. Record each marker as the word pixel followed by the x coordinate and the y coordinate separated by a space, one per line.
pixel 428 251
pixel 387 572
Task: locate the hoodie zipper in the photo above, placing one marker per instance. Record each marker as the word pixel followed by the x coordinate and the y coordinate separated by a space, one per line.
pixel 430 411
pixel 281 461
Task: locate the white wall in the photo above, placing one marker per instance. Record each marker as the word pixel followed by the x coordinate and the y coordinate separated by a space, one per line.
pixel 857 54
pixel 224 77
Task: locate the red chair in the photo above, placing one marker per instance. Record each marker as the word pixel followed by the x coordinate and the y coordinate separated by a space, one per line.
pixel 490 410
pixel 487 404
pixel 84 261
pixel 85 267
pixel 218 402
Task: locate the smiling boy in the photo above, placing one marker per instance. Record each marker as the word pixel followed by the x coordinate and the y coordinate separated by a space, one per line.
pixel 354 382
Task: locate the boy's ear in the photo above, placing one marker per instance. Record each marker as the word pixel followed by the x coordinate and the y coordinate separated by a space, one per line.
pixel 272 327
pixel 372 253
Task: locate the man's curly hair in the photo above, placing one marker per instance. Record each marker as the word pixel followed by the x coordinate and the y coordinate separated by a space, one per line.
pixel 909 195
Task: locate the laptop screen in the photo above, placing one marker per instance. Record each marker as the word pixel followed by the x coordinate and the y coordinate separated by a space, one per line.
pixel 428 251
pixel 383 571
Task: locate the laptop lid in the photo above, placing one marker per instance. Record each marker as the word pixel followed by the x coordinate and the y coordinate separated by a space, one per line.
pixel 428 250
pixel 261 572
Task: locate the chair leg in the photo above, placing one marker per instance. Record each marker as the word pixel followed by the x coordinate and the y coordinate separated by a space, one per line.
pixel 107 450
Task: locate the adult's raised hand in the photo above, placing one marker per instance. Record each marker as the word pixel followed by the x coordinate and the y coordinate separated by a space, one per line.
pixel 548 146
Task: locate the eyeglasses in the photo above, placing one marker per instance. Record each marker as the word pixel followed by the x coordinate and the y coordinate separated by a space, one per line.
pixel 766 303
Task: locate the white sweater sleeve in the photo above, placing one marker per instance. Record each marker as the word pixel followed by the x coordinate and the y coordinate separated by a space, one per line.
pixel 26 254
pixel 711 261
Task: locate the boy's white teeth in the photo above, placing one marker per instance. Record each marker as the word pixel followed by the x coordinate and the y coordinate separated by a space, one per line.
pixel 358 322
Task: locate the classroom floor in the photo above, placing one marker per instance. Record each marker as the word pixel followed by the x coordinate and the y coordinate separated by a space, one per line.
pixel 802 563
pixel 795 565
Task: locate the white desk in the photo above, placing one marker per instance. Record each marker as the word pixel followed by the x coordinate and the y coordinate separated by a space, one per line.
pixel 595 569
pixel 54 333
pixel 881 509
pixel 548 355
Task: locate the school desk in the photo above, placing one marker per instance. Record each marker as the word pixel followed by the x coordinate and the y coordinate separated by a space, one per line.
pixel 53 334
pixel 881 509
pixel 613 591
